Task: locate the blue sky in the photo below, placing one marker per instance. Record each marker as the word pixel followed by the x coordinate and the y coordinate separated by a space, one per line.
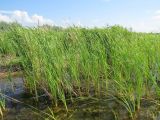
pixel 141 15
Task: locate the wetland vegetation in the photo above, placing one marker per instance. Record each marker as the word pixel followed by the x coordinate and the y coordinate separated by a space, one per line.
pixel 99 73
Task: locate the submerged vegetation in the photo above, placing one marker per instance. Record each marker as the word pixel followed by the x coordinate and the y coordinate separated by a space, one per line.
pixel 86 63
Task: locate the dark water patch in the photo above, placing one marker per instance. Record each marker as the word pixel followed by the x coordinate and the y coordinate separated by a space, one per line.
pixel 19 103
pixel 12 87
pixel 109 109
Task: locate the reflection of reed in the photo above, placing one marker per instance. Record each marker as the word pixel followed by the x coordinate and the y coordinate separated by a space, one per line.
pixel 13 74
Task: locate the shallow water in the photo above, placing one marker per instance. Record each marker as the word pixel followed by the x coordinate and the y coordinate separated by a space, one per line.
pixel 12 87
pixel 19 104
pixel 25 107
pixel 82 110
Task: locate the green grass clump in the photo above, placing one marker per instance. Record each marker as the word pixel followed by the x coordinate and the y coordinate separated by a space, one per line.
pixel 87 62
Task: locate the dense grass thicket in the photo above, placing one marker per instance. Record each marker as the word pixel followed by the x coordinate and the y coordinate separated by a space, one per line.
pixel 80 62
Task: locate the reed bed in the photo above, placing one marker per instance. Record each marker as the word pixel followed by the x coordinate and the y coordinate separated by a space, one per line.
pixel 81 62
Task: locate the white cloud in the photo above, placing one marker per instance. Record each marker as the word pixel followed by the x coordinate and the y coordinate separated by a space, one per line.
pixel 41 20
pixel 146 26
pixel 24 18
pixel 156 16
pixel 157 12
pixel 149 24
pixel 5 18
pixel 67 22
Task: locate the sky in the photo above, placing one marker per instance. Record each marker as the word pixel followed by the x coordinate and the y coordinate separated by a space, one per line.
pixel 140 15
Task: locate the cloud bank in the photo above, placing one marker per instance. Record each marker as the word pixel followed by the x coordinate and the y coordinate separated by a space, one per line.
pixel 24 18
pixel 151 24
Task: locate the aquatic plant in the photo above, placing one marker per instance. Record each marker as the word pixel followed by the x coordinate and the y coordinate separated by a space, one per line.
pixel 81 62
